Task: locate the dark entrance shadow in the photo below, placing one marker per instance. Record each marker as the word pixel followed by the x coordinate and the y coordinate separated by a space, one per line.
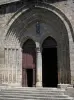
pixel 49 64
pixel 49 57
pixel 29 77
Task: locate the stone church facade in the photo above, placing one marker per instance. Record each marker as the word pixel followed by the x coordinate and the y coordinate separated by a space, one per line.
pixel 37 43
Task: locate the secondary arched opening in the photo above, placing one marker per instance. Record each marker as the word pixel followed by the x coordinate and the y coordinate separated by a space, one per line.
pixel 28 64
pixel 49 63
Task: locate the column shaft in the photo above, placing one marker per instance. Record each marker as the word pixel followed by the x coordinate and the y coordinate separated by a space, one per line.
pixel 38 68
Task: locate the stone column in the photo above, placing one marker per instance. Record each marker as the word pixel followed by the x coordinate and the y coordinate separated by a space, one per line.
pixel 7 62
pixel 38 66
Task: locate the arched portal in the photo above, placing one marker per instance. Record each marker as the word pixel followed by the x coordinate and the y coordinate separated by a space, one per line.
pixel 49 63
pixel 28 63
pixel 23 25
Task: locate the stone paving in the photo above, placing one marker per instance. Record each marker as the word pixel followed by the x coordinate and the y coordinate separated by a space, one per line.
pixel 70 92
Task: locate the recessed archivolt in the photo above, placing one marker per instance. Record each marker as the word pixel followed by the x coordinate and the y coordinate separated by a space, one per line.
pixel 26 17
pixel 17 30
pixel 48 7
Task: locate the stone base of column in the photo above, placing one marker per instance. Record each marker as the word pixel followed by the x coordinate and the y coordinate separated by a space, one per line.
pixel 38 84
pixel 63 86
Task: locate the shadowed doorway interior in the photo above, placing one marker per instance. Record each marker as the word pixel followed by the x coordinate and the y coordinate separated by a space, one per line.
pixel 49 63
pixel 29 77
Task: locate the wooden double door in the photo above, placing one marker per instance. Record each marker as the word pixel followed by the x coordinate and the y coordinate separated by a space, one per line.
pixel 49 64
pixel 28 64
pixel 28 77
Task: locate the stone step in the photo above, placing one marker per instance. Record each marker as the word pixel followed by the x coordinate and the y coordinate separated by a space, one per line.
pixel 35 88
pixel 35 98
pixel 33 94
pixel 32 90
pixel 48 93
pixel 12 95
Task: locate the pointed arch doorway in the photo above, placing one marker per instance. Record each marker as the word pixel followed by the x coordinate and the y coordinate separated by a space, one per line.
pixel 49 63
pixel 28 64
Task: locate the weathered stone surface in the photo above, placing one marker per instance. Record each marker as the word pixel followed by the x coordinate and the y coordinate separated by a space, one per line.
pixel 18 25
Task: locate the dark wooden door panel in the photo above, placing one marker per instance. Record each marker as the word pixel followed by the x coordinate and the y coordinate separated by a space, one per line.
pixel 28 62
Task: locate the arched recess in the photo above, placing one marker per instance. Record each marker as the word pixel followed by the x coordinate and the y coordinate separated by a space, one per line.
pixel 63 56
pixel 28 63
pixel 23 25
pixel 49 63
